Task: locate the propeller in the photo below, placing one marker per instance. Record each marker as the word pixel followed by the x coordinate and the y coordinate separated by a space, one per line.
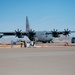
pixel 18 33
pixel 31 34
pixel 55 32
pixel 66 32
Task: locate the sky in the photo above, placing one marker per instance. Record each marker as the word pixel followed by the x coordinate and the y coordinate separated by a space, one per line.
pixel 42 14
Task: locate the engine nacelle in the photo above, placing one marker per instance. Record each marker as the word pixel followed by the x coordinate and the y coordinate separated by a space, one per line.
pixel 20 36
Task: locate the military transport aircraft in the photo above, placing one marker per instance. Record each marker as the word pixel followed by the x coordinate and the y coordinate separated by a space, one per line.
pixel 47 36
pixel 42 36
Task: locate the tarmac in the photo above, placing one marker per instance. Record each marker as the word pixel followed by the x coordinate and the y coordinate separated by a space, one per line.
pixel 37 61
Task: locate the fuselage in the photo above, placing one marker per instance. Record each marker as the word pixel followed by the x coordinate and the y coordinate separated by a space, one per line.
pixel 41 36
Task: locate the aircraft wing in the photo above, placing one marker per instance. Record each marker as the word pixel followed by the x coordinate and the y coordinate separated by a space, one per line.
pixel 18 34
pixel 56 33
pixel 7 33
pixel 12 33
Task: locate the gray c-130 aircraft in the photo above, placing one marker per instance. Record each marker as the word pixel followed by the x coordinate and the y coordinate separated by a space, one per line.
pixel 47 36
pixel 38 36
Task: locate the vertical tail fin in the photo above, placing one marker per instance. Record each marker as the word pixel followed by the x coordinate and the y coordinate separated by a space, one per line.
pixel 27 24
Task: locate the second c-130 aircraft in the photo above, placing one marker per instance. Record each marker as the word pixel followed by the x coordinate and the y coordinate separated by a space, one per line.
pixel 38 36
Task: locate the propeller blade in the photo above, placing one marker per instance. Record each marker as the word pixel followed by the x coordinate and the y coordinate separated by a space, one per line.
pixel 56 30
pixel 67 29
pixel 15 31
